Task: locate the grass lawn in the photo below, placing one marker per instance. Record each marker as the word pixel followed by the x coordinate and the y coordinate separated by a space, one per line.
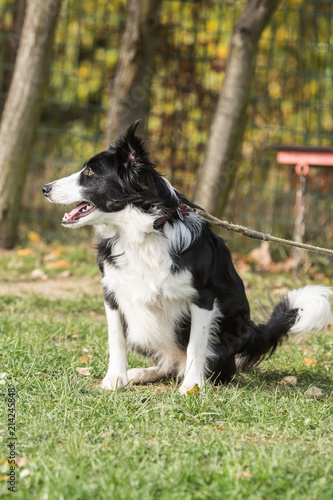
pixel 263 436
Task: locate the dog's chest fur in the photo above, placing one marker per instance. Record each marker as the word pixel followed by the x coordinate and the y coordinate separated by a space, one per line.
pixel 151 298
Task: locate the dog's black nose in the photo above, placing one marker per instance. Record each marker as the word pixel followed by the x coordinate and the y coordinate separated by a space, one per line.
pixel 46 189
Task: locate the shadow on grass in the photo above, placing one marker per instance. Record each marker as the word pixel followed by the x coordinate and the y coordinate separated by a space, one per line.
pixel 271 379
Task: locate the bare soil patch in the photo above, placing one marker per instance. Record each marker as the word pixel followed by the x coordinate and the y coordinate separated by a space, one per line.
pixel 54 288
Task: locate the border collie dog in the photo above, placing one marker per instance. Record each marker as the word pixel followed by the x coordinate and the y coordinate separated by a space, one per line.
pixel 171 291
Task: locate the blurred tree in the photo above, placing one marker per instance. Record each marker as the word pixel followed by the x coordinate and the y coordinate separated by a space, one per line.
pixel 22 110
pixel 217 173
pixel 13 43
pixel 130 90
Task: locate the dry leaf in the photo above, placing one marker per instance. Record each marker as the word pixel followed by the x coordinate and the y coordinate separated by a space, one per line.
pixel 194 390
pixel 309 361
pixel 59 264
pixel 245 473
pixel 83 371
pixel 55 254
pixel 84 359
pixel 290 379
pixel 38 274
pixel 21 461
pixel 314 391
pixel 107 434
pixel 23 252
pixel 151 442
pixel 65 274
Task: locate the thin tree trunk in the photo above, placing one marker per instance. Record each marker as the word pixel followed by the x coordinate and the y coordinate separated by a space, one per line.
pixel 22 110
pixel 130 91
pixel 12 46
pixel 217 173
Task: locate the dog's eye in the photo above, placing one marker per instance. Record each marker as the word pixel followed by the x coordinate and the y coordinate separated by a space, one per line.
pixel 89 171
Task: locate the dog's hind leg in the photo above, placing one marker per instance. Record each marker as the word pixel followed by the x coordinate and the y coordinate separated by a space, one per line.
pixel 116 375
pixel 145 375
pixel 201 322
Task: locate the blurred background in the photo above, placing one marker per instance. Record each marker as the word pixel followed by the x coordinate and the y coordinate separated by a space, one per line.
pixel 291 102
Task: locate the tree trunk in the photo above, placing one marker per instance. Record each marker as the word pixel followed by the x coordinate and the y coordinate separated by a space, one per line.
pixel 217 173
pixel 22 110
pixel 131 86
pixel 12 45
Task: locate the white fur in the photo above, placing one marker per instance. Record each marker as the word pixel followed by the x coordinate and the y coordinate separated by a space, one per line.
pixel 314 308
pixel 116 375
pixel 202 321
pixel 170 187
pixel 66 190
pixel 145 375
pixel 182 234
pixel 150 297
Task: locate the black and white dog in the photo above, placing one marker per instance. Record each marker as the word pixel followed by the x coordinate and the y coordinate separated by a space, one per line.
pixel 170 288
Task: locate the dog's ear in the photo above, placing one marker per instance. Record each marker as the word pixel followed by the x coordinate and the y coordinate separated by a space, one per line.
pixel 130 148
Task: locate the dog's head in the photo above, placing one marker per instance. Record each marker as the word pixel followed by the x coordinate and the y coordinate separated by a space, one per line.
pixel 111 180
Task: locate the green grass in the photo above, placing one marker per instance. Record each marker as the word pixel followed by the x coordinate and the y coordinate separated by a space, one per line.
pixel 256 438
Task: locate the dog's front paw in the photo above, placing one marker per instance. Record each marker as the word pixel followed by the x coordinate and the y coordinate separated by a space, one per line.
pixel 113 382
pixel 192 385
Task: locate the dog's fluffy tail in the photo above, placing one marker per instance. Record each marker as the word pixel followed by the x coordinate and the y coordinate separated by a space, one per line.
pixel 300 311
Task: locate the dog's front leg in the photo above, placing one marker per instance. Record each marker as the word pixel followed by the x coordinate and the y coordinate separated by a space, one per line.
pixel 201 320
pixel 116 375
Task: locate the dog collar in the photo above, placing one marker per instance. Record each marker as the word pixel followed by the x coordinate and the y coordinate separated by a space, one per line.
pixel 181 211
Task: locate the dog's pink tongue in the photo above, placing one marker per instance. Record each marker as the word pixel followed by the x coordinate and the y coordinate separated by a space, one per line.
pixel 74 211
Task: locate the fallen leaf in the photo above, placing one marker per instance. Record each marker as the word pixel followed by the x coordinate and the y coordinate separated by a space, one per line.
pixel 245 473
pixel 64 274
pixel 107 434
pixel 151 442
pixel 83 371
pixel 23 252
pixel 84 359
pixel 290 379
pixel 59 264
pixel 314 391
pixel 21 461
pixel 38 274
pixel 194 390
pixel 309 361
pixel 55 254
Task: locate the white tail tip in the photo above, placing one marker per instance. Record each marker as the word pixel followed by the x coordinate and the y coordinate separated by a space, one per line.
pixel 314 310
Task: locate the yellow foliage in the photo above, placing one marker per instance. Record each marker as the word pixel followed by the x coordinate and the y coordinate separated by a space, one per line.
pixel 222 51
pixel 274 89
pixel 34 237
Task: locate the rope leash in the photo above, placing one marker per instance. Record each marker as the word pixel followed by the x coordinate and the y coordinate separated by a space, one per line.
pixel 250 233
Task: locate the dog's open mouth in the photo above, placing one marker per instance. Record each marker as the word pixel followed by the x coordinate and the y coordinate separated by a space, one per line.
pixel 81 210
